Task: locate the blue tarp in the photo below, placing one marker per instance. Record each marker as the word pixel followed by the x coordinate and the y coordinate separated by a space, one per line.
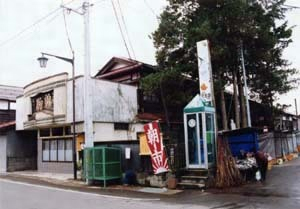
pixel 242 139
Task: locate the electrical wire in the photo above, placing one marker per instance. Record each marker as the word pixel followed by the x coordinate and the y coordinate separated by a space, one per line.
pixel 151 9
pixel 67 32
pixel 291 6
pixel 3 43
pixel 21 32
pixel 120 28
pixel 125 27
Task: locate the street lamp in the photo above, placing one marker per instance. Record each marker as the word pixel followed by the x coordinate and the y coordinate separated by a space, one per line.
pixel 43 63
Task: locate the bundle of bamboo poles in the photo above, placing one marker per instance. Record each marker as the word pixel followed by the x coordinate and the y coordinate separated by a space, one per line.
pixel 227 173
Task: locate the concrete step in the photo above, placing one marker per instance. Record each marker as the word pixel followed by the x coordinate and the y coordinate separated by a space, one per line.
pixel 192 182
pixel 194 177
pixel 196 172
pixel 187 185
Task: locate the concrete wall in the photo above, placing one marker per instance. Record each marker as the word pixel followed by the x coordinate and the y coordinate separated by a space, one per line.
pixel 106 132
pixel 3 153
pixel 55 167
pixel 21 164
pixel 111 102
pixel 114 102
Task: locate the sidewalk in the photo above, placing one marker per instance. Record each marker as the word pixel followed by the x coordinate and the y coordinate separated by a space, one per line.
pixel 67 181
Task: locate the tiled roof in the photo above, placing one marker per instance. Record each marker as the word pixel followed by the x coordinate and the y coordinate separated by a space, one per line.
pixel 151 116
pixel 7 124
pixel 10 92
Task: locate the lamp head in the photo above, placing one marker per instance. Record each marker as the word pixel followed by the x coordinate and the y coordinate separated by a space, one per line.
pixel 43 61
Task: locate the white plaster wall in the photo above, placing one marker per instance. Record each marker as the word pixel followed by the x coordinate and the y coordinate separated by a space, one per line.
pixel 79 95
pixel 60 100
pixel 104 132
pixel 113 102
pixel 2 154
pixel 45 81
pixel 57 83
pixel 20 113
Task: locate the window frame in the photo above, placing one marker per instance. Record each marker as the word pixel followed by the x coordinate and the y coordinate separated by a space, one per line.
pixel 49 151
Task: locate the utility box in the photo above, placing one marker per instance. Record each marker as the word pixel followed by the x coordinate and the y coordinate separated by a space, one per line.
pixel 102 163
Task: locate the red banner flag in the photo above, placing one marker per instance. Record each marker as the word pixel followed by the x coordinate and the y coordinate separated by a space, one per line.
pixel 158 155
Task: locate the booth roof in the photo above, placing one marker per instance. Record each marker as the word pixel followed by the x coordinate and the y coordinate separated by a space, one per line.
pixel 198 104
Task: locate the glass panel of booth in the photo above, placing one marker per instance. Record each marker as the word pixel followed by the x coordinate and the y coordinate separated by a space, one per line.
pixel 210 136
pixel 201 139
pixel 193 152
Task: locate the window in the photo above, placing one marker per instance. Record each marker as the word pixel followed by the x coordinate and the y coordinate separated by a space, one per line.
pixel 60 150
pixel 12 106
pixel 45 150
pixel 121 126
pixel 3 105
pixel 53 150
pixel 45 132
pixel 68 150
pixel 57 131
pixel 57 150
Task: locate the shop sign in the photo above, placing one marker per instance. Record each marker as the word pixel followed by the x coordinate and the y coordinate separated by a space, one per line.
pixel 204 69
pixel 43 101
pixel 158 155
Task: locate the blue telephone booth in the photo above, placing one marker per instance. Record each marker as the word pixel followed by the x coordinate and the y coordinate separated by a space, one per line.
pixel 200 134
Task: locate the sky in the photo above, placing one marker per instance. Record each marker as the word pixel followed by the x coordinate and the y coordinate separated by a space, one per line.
pixel 26 32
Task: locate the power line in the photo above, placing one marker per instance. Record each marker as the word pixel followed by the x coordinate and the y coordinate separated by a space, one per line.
pixel 27 28
pixel 151 9
pixel 3 43
pixel 120 28
pixel 67 32
pixel 123 19
pixel 291 6
pixel 31 33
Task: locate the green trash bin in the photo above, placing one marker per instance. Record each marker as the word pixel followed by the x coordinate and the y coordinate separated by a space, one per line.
pixel 102 163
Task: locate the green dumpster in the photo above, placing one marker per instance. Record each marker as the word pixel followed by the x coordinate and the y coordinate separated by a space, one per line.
pixel 102 163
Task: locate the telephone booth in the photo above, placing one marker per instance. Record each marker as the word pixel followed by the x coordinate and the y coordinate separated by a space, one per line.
pixel 200 134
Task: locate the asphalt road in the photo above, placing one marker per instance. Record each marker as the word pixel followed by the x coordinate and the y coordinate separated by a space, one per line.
pixel 17 195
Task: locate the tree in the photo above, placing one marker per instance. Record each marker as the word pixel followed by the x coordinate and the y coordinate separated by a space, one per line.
pixel 227 25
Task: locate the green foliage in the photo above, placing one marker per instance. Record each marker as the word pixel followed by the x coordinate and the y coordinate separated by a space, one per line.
pixel 259 25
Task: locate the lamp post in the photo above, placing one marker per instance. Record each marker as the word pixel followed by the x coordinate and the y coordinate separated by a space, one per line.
pixel 43 63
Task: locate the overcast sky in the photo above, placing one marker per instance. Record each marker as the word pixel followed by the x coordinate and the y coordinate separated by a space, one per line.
pixel 20 45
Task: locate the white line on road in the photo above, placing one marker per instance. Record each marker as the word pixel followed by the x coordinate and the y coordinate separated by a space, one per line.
pixel 78 192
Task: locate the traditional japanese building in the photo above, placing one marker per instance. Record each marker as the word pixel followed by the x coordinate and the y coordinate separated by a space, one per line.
pixel 17 148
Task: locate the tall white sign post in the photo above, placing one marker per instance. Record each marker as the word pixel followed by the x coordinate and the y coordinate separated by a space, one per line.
pixel 205 72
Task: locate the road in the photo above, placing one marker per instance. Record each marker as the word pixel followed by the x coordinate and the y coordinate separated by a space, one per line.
pixel 16 195
pixel 281 191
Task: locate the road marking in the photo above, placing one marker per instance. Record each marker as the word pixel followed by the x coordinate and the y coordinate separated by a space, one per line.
pixel 78 192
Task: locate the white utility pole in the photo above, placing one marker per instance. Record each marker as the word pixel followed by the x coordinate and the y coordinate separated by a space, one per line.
pixel 245 86
pixel 88 108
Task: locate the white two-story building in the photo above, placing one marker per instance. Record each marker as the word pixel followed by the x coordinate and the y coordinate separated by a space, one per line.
pixel 46 106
